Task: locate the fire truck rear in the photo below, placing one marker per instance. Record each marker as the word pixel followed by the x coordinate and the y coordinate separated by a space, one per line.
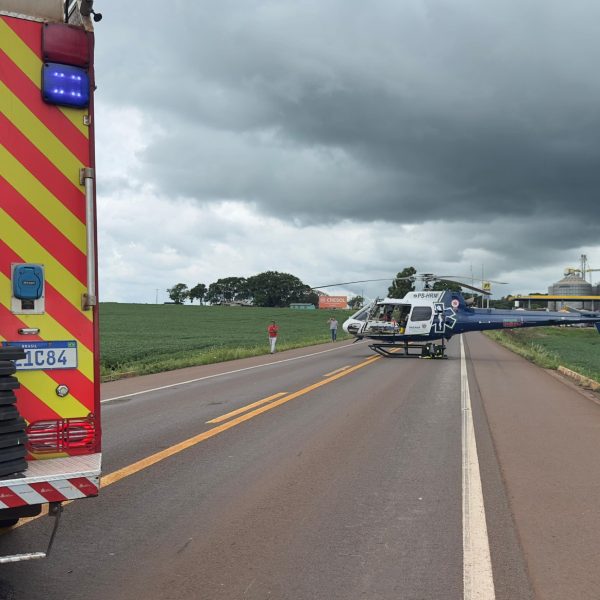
pixel 49 370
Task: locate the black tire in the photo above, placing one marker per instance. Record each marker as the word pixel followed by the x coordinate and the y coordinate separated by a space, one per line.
pixel 11 426
pixel 8 522
pixel 13 435
pixel 8 413
pixel 13 467
pixel 12 453
pixel 7 398
pixel 11 353
pixel 7 367
pixel 14 438
pixel 8 383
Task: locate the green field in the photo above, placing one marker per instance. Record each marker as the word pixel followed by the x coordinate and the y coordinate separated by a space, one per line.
pixel 577 348
pixel 148 338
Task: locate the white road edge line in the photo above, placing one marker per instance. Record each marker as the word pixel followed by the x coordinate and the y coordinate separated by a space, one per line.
pixel 478 579
pixel 166 387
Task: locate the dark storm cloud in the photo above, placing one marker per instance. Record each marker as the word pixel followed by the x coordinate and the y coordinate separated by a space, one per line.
pixel 398 111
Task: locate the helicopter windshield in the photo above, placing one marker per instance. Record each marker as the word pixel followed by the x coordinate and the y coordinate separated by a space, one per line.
pixel 362 315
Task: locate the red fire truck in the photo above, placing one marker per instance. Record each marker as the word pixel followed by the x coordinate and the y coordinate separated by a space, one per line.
pixel 49 370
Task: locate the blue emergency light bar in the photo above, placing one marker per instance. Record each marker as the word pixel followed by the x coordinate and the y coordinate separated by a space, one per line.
pixel 65 85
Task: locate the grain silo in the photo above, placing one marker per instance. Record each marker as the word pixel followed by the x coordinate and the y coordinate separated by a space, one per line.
pixel 573 284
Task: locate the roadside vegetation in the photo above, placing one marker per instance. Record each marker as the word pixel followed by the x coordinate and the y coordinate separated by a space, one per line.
pixel 137 339
pixel 577 348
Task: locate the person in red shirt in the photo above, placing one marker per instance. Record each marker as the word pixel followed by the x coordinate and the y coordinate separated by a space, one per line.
pixel 272 329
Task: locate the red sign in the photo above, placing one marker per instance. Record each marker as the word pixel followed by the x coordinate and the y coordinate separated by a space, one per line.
pixel 333 301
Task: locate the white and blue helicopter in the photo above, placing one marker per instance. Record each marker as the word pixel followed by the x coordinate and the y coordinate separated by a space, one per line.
pixel 420 323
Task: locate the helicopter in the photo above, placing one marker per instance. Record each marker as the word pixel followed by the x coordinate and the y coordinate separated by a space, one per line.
pixel 419 324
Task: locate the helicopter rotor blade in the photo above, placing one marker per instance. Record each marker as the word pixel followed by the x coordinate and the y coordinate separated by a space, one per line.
pixel 427 277
pixel 469 277
pixel 319 287
pixel 430 277
pixel 465 285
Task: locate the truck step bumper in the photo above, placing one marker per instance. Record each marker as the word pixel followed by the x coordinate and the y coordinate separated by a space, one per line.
pixel 53 480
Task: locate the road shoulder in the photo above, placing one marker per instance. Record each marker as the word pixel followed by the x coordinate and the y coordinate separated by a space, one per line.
pixel 545 435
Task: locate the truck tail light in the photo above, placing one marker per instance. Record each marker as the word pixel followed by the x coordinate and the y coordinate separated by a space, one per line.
pixel 66 53
pixel 65 44
pixel 75 435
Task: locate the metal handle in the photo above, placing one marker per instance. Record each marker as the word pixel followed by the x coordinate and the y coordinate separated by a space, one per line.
pixel 86 177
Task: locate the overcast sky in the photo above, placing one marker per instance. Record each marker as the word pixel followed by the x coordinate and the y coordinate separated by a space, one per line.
pixel 340 140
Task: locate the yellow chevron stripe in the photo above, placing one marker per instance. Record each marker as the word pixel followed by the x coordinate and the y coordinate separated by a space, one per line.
pixel 20 53
pixel 31 64
pixel 39 135
pixel 45 202
pixel 76 115
pixel 50 329
pixel 42 386
pixel 31 251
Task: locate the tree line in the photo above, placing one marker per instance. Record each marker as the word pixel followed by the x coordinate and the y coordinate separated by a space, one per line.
pixel 275 289
pixel 269 289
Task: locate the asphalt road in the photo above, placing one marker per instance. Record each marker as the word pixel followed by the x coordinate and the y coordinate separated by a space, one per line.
pixel 339 475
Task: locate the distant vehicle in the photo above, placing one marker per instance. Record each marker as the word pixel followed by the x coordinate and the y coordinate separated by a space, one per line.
pixel 411 326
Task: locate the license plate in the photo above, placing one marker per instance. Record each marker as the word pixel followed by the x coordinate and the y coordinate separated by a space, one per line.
pixel 46 355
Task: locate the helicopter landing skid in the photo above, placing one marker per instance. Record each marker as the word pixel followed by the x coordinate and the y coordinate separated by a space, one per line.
pixel 428 350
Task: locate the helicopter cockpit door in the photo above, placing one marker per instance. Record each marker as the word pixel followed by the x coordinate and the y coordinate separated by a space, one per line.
pixel 420 321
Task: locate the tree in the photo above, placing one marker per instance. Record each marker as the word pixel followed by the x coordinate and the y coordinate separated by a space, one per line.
pixel 215 294
pixel 400 287
pixel 227 289
pixel 356 302
pixel 178 293
pixel 197 292
pixel 312 298
pixel 272 288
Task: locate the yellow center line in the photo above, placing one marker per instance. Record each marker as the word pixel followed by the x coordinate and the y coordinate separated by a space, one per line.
pixel 153 459
pixel 246 408
pixel 144 463
pixel 336 371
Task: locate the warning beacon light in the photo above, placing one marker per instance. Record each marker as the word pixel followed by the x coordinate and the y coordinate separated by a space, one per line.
pixel 64 84
pixel 66 53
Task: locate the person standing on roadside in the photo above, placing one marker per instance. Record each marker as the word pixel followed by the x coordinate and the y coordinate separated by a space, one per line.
pixel 333 325
pixel 272 330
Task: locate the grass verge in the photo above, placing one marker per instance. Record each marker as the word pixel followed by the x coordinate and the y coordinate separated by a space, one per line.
pixel 145 366
pixel 576 348
pixel 138 339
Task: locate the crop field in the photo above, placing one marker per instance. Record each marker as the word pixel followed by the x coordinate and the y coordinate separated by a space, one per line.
pixel 577 348
pixel 148 338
